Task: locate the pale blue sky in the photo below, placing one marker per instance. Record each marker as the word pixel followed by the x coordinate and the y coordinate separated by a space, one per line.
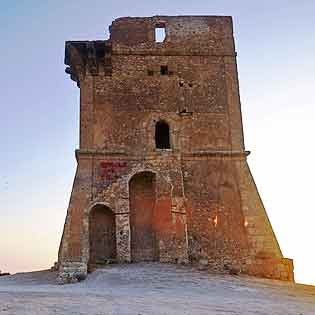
pixel 39 105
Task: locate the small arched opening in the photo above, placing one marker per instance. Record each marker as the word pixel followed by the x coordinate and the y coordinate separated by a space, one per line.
pixel 102 235
pixel 162 135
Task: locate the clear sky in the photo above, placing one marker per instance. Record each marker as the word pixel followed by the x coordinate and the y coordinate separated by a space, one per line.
pixel 39 115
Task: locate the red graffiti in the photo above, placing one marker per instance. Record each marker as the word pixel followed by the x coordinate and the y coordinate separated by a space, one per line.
pixel 110 170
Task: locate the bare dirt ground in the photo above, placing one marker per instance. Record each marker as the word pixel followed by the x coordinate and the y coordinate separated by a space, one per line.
pixel 153 289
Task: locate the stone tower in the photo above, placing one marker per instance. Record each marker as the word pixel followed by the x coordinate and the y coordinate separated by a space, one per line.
pixel 162 172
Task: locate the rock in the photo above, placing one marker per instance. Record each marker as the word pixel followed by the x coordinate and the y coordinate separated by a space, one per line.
pixel 4 274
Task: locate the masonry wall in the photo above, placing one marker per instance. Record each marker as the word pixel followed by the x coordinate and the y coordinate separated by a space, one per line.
pixel 215 218
pixel 127 108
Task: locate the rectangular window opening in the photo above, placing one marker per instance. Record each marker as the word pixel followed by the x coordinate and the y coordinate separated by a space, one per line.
pixel 164 70
pixel 160 34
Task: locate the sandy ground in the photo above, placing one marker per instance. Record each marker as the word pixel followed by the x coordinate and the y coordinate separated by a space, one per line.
pixel 152 289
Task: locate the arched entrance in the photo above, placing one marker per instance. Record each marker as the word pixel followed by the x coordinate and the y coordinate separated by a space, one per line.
pixel 142 203
pixel 102 235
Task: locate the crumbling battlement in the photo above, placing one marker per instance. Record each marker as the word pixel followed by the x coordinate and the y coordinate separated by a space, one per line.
pixel 192 35
pixel 185 35
pixel 162 169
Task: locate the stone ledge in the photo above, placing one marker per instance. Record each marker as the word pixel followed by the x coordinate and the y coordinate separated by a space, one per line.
pixel 219 153
pixel 160 152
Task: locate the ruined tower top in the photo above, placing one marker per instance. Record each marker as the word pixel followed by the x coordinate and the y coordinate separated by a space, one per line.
pixel 184 35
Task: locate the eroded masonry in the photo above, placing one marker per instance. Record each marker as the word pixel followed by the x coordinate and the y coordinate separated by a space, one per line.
pixel 162 172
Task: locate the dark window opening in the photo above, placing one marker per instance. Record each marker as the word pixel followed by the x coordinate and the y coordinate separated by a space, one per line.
pixel 190 85
pixel 164 70
pixel 150 72
pixel 184 112
pixel 162 135
pixel 160 33
pixel 181 83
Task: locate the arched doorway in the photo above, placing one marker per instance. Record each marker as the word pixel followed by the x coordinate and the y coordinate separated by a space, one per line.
pixel 102 235
pixel 142 203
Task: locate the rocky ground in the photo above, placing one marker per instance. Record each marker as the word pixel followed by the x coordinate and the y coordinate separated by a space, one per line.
pixel 152 289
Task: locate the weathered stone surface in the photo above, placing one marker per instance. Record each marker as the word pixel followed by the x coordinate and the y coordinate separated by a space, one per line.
pixel 71 272
pixel 179 194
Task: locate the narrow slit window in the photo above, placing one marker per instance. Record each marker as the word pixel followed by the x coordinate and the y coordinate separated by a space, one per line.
pixel 160 34
pixel 162 135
